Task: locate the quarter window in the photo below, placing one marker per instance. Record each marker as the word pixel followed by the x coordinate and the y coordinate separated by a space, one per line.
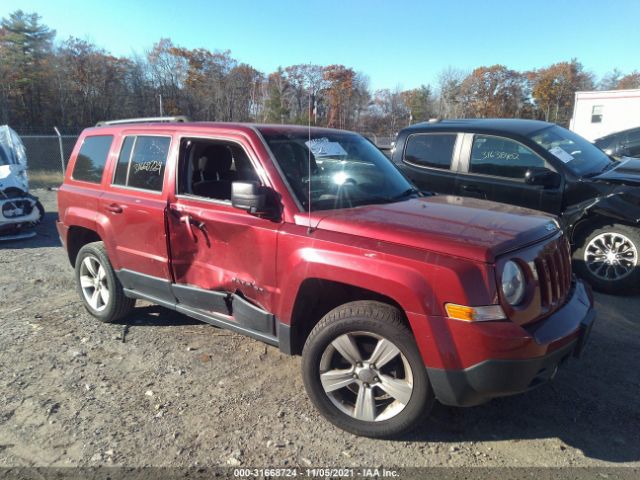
pixel 92 158
pixel 430 150
pixel 503 157
pixel 141 162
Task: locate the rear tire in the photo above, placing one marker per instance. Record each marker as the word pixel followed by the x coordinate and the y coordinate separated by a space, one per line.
pixel 99 289
pixel 609 258
pixel 382 389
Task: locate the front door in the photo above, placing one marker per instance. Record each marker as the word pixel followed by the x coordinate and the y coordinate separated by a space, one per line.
pixel 222 258
pixel 495 170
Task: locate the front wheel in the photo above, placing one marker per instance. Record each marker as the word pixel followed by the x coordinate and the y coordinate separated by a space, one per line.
pixel 608 258
pixel 363 371
pixel 99 288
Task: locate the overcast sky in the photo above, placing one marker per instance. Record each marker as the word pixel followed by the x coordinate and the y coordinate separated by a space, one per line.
pixel 405 43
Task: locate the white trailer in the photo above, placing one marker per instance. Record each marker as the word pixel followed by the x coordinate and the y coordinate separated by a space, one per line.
pixel 599 113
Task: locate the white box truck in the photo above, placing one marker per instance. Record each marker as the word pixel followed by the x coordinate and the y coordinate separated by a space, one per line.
pixel 599 113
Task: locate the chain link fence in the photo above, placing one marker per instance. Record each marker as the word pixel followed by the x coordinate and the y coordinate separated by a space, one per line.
pixel 45 164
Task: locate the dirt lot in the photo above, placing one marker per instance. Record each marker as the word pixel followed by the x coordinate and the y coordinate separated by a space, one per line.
pixel 160 389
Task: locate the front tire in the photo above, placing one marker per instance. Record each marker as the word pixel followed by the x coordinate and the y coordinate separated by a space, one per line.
pixel 609 258
pixel 363 371
pixel 99 288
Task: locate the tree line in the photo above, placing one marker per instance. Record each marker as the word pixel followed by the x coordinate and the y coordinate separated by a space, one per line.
pixel 74 84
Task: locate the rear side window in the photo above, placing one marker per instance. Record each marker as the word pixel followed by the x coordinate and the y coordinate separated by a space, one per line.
pixel 430 150
pixel 92 158
pixel 141 162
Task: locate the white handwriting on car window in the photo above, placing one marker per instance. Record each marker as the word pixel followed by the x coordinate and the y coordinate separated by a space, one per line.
pixel 490 154
pixel 151 166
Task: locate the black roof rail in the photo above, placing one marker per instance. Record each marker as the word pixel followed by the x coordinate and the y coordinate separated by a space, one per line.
pixel 179 119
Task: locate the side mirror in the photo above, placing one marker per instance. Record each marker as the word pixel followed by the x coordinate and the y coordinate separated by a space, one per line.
pixel 543 177
pixel 251 197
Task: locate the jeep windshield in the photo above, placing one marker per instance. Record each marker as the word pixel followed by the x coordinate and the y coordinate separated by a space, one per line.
pixel 335 169
pixel 581 156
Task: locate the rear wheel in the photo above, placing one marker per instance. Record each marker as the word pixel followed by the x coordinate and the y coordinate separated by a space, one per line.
pixel 99 288
pixel 609 257
pixel 363 371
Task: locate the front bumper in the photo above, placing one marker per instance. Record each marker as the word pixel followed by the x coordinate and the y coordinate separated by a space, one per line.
pixel 16 211
pixel 560 335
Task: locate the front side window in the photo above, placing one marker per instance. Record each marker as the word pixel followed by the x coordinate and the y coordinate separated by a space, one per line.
pixel 596 114
pixel 335 169
pixel 430 150
pixel 92 158
pixel 503 157
pixel 141 162
pixel 208 168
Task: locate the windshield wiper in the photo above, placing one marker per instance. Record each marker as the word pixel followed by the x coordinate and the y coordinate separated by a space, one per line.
pixel 407 193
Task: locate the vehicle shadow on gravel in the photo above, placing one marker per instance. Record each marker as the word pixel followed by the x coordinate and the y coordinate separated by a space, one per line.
pixel 591 406
pixel 156 316
pixel 46 235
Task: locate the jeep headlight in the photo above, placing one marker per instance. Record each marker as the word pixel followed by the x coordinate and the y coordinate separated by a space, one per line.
pixel 513 283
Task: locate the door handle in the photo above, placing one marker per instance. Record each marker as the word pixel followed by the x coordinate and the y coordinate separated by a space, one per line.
pixel 187 220
pixel 114 208
pixel 472 189
pixel 190 223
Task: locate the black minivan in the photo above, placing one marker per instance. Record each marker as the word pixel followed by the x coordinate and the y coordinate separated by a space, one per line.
pixel 541 166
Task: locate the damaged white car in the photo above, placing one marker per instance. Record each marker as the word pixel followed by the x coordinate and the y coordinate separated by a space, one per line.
pixel 19 210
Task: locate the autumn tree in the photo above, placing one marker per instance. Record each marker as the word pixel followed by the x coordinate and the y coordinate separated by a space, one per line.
pixel 553 89
pixel 632 80
pixel 339 92
pixel 495 91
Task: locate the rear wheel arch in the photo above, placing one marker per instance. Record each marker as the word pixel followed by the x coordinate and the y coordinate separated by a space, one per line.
pixel 316 297
pixel 78 237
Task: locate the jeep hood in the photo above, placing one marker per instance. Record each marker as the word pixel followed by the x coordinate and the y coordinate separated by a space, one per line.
pixel 463 227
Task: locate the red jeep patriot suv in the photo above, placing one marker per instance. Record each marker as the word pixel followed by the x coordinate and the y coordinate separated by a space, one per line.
pixel 312 241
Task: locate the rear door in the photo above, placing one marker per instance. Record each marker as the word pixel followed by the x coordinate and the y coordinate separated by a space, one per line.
pixel 428 160
pixel 494 167
pixel 134 203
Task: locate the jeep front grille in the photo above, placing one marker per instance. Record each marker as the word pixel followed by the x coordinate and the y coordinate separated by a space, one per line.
pixel 553 267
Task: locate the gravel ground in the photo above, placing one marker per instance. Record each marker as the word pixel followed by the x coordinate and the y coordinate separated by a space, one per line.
pixel 160 389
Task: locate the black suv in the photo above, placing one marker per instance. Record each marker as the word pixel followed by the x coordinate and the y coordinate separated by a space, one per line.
pixel 621 144
pixel 541 166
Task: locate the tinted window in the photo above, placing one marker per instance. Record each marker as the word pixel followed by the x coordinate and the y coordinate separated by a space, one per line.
pixel 431 150
pixel 606 142
pixel 141 162
pixel 92 158
pixel 502 157
pixel 120 178
pixel 633 136
pixel 632 148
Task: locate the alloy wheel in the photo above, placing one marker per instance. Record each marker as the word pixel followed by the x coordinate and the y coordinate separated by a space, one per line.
pixel 366 376
pixel 611 256
pixel 93 281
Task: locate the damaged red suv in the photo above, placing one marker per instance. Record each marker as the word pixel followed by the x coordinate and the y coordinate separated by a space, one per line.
pixel 312 241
